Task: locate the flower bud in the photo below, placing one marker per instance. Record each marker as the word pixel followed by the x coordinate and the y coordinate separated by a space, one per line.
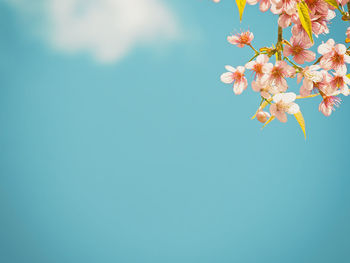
pixel 262 116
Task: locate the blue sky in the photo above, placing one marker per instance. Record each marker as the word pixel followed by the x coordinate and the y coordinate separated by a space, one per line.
pixel 147 157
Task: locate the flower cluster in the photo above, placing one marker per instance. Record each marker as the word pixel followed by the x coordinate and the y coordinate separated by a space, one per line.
pixel 324 75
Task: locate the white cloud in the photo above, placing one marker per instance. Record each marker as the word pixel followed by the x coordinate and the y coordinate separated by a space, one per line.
pixel 107 29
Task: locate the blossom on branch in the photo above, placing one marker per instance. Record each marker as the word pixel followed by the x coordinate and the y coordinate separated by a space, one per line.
pixel 284 103
pixel 325 76
pixel 333 56
pixel 298 49
pixel 242 39
pixel 277 74
pixel 237 76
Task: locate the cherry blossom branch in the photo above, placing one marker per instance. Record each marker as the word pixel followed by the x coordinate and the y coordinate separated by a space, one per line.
pixel 279 46
pixel 326 75
pixel 318 60
pixel 256 52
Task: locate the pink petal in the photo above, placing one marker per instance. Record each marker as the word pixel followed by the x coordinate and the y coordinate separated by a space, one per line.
pixel 299 58
pixel 239 86
pixel 281 116
pixel 273 109
pixel 325 110
pixel 309 55
pixel 287 51
pixel 299 77
pixel 256 86
pixel 264 5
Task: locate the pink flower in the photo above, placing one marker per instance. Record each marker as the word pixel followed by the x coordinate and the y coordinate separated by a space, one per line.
pixel 265 88
pixel 334 56
pixel 284 103
pixel 320 22
pixel 319 25
pixel 340 81
pixel 263 116
pixel 287 6
pixel 264 4
pixel 328 105
pixel 298 50
pixel 311 76
pixel 237 76
pixel 257 65
pixel 328 95
pixel 285 20
pixel 276 74
pixel 241 39
pixel 317 6
pixel 323 86
pixel 299 31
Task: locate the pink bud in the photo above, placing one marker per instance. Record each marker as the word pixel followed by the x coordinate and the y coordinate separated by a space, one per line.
pixel 262 116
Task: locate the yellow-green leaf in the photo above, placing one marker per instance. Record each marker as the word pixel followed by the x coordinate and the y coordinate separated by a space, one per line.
pixel 332 3
pixel 348 76
pixel 268 121
pixel 309 96
pixel 241 6
pixel 304 17
pixel 300 119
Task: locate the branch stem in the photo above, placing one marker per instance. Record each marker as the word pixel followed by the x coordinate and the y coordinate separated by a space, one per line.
pixel 279 43
pixel 257 52
pixel 294 65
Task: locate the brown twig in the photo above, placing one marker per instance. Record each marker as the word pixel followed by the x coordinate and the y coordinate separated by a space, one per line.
pixel 279 43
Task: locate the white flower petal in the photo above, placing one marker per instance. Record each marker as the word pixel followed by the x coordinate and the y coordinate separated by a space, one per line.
pixel 250 64
pixel 278 97
pixel 241 69
pixel 227 77
pixel 340 49
pixel 289 97
pixel 230 68
pixel 324 49
pixel 293 108
pixel 345 91
pixel 262 59
pixel 267 68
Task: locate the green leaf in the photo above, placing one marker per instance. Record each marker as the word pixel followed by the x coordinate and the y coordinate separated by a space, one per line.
pixel 300 119
pixel 304 17
pixel 348 76
pixel 268 121
pixel 332 3
pixel 241 6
